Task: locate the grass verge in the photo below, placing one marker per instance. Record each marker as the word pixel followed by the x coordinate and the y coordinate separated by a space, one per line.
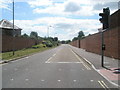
pixel 23 52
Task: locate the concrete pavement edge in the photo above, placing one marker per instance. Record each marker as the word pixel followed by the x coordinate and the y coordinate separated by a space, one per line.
pixel 96 69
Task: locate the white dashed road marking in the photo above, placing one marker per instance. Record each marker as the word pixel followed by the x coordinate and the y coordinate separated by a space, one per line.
pixel 26 79
pixel 42 80
pixel 11 79
pixel 59 80
pixel 74 80
pixel 91 80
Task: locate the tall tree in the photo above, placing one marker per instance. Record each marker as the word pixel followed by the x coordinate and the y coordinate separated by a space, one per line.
pixel 68 41
pixel 25 35
pixel 55 38
pixel 75 38
pixel 34 35
pixel 80 35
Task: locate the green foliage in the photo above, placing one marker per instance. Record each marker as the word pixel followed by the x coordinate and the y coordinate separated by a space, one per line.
pixel 80 36
pixel 23 52
pixel 34 35
pixel 25 35
pixel 75 38
pixel 55 38
pixel 68 41
pixel 48 44
pixel 39 46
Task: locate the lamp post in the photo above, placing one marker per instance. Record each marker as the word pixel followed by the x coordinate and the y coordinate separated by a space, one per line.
pixel 48 30
pixel 13 30
pixel 55 34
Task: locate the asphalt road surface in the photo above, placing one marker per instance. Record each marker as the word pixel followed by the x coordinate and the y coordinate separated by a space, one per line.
pixel 56 68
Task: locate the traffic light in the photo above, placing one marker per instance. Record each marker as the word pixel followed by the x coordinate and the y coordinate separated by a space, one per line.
pixel 105 17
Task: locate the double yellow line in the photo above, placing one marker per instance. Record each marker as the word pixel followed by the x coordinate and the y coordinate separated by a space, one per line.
pixel 103 85
pixel 88 68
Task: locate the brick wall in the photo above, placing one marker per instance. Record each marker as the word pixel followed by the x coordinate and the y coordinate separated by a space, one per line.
pixel 115 19
pixel 9 42
pixel 92 43
pixel 83 43
pixel 76 43
pixel 111 41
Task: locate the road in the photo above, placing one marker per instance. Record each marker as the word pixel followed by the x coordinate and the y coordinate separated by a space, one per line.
pixel 56 68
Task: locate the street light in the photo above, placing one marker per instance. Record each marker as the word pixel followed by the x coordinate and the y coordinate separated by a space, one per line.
pixel 48 30
pixel 13 29
pixel 55 34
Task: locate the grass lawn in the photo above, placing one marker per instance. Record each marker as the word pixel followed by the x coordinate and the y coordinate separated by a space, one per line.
pixel 23 52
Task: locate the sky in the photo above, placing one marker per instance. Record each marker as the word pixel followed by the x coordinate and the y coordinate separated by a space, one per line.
pixel 62 18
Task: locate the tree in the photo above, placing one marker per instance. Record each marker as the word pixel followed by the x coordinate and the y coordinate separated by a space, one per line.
pixel 25 35
pixel 55 38
pixel 75 38
pixel 68 41
pixel 34 35
pixel 80 35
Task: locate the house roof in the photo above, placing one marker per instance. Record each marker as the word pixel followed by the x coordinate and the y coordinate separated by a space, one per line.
pixel 8 25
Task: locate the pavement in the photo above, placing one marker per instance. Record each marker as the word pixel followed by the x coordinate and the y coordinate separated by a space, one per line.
pixel 111 65
pixel 60 67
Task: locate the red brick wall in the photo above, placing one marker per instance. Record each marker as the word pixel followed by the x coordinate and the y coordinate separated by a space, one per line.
pixel 92 43
pixel 115 19
pixel 75 43
pixel 83 43
pixel 9 42
pixel 111 41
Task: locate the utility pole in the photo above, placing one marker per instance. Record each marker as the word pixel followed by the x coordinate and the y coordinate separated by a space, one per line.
pixel 13 30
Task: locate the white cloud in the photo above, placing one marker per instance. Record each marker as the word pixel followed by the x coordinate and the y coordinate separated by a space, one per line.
pixel 75 7
pixel 35 3
pixel 65 28
pixel 72 7
pixel 4 4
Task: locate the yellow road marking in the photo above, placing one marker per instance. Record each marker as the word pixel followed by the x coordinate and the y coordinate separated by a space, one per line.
pixel 105 85
pixel 81 60
pixel 76 56
pixel 86 66
pixel 101 85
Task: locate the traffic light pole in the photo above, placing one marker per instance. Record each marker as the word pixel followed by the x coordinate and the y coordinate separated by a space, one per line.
pixel 105 21
pixel 102 51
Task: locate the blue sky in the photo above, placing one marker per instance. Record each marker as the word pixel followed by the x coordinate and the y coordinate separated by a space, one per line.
pixel 67 17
